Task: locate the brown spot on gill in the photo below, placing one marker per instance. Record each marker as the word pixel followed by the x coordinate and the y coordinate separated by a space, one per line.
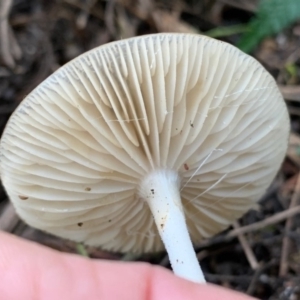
pixel 87 189
pixel 80 224
pixel 23 197
pixel 186 167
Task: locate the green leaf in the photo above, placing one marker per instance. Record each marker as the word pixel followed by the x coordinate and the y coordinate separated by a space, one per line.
pixel 272 16
pixel 81 250
pixel 226 31
pixel 291 69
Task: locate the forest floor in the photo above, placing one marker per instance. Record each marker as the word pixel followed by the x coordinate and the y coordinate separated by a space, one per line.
pixel 260 254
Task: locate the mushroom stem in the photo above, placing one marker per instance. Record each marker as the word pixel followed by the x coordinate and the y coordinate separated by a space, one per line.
pixel 161 191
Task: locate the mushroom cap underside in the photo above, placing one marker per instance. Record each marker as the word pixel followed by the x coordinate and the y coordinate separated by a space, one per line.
pixel 74 152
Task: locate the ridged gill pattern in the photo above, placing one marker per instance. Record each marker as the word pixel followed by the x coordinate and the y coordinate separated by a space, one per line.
pixel 75 150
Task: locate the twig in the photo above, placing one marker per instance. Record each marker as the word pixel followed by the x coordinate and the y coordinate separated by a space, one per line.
pixel 253 281
pixel 202 254
pixel 266 222
pixel 109 17
pixel 286 243
pixel 294 144
pixel 247 249
pixel 290 92
pixel 225 277
pixel 293 111
pixel 8 218
pixel 245 5
pixel 258 272
pixel 83 17
pixel 214 252
pixel 165 261
pixel 224 239
pixel 9 48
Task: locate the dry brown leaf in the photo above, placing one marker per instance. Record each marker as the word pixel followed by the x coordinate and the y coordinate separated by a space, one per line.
pixel 166 22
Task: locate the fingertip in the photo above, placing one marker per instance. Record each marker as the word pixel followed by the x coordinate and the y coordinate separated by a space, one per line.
pixel 47 274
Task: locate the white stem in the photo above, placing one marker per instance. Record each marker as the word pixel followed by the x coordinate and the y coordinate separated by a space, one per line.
pixel 161 191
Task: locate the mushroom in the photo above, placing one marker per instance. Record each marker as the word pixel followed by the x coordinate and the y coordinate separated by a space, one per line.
pixel 185 125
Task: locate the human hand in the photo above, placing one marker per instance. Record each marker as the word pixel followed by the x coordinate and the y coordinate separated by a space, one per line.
pixel 30 271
